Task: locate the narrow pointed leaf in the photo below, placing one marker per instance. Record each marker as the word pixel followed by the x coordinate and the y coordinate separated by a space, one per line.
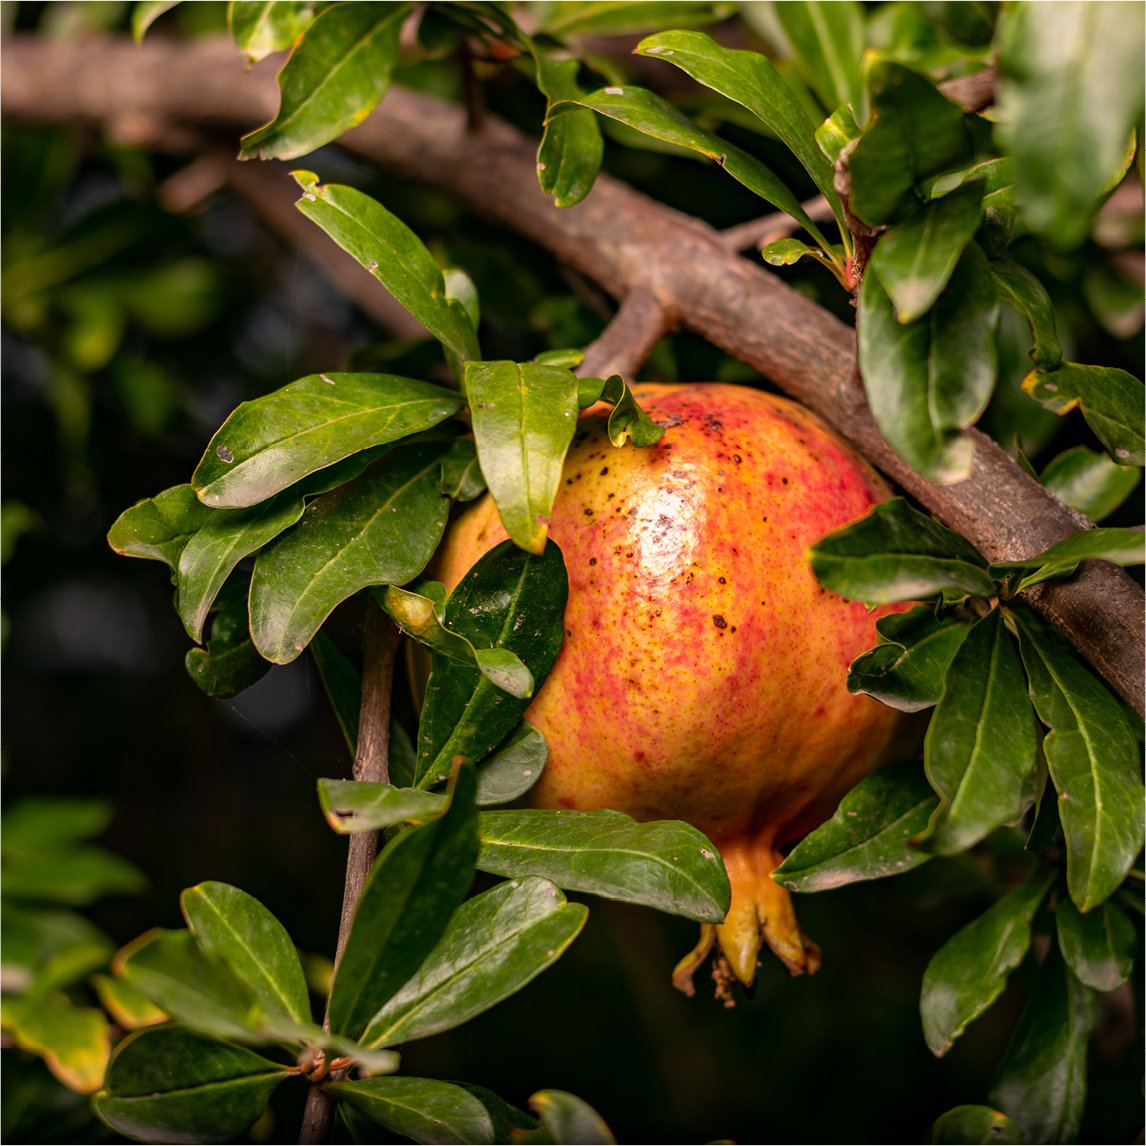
pixel 169 1084
pixel 230 663
pixel 271 442
pixel 513 768
pixel 968 973
pixel 1018 287
pixel 144 13
pixel 565 1118
pixel 260 27
pixel 967 1124
pixel 238 930
pixel 828 39
pixel 868 836
pixel 1041 1082
pixel 159 527
pixel 421 1109
pixel 571 147
pixel 416 884
pixel 623 17
pixel 333 80
pixel 524 417
pixel 506 1118
pixel 896 553
pixel 495 944
pixel 380 529
pixel 1089 481
pixel 1095 764
pixel 462 478
pixel 74 1042
pixel 465 715
pixel 916 258
pixel 1121 546
pixel 361 806
pixel 928 381
pixel 1099 947
pixel 1110 400
pixel 980 746
pixel 666 864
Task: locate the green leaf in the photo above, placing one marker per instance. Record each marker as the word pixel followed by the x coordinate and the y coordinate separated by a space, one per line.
pixel 785 252
pixel 571 147
pixel 868 836
pixel 361 806
pixel 968 973
pixel 144 13
pixel 381 528
pixel 1089 481
pixel 343 685
pixel 396 257
pixel 271 442
pixel 1121 546
pixel 1110 400
pixel 414 887
pixel 1099 947
pixel 907 668
pixel 836 132
pixel 1018 287
pixel 627 420
pixel 1041 1082
pixel 928 381
pixel 513 768
pixel 235 928
pixel 974 1124
pixel 421 1109
pixel 915 134
pixel 622 17
pixel 464 714
pixel 828 41
pixel 462 478
pixel 524 417
pixel 1069 94
pixel 896 553
pixel 333 80
pixel 159 527
pixel 1095 764
pixel 658 118
pixel 666 864
pixel 38 824
pixel 128 1006
pixel 230 663
pixel 565 1118
pixel 423 619
pixel 980 746
pixel 74 1042
pixel 915 259
pixel 169 1084
pixel 751 80
pixel 506 1118
pixel 260 27
pixel 495 944
pixel 46 949
pixel 75 875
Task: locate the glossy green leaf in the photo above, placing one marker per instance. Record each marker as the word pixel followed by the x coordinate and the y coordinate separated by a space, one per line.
pixel 495 944
pixel 627 420
pixel 260 27
pixel 828 40
pixel 980 745
pixel 928 381
pixel 868 836
pixel 333 80
pixel 658 118
pixel 271 442
pixel 464 714
pixel 565 1118
pixel 785 252
pixel 361 806
pixel 1041 1082
pixel 417 882
pixel 421 1109
pixel 127 1005
pixel 1065 115
pixel 974 1124
pixel 1121 546
pixel 235 928
pixel 968 973
pixel 1110 400
pixel 506 1118
pixel 230 663
pixel 1018 287
pixel 896 553
pixel 144 13
pixel 751 80
pixel 916 258
pixel 571 147
pixel 666 864
pixel 1095 764
pixel 1099 947
pixel 395 256
pixel 915 134
pixel 1089 481
pixel 159 527
pixel 622 17
pixel 74 1042
pixel 462 478
pixel 837 132
pixel 423 619
pixel 513 767
pixel 169 1084
pixel 524 417
pixel 907 667
pixel 380 529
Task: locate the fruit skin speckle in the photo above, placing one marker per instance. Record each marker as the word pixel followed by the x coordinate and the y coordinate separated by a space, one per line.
pixel 703 674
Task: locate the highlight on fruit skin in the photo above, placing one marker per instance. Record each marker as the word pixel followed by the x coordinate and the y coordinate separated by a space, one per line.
pixel 702 676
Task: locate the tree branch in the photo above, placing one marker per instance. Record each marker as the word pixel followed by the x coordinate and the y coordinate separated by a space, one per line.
pixel 628 339
pixel 622 240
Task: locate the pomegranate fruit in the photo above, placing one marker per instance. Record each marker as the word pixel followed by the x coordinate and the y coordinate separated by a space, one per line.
pixel 702 674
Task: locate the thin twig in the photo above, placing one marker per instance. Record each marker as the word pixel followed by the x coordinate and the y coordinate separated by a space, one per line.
pixel 627 341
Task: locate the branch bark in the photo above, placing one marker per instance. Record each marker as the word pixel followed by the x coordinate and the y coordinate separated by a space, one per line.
pixel 622 240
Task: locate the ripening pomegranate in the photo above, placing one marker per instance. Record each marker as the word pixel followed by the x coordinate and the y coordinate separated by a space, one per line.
pixel 702 675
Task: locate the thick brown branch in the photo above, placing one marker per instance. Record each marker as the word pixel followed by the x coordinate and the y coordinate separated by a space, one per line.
pixel 621 240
